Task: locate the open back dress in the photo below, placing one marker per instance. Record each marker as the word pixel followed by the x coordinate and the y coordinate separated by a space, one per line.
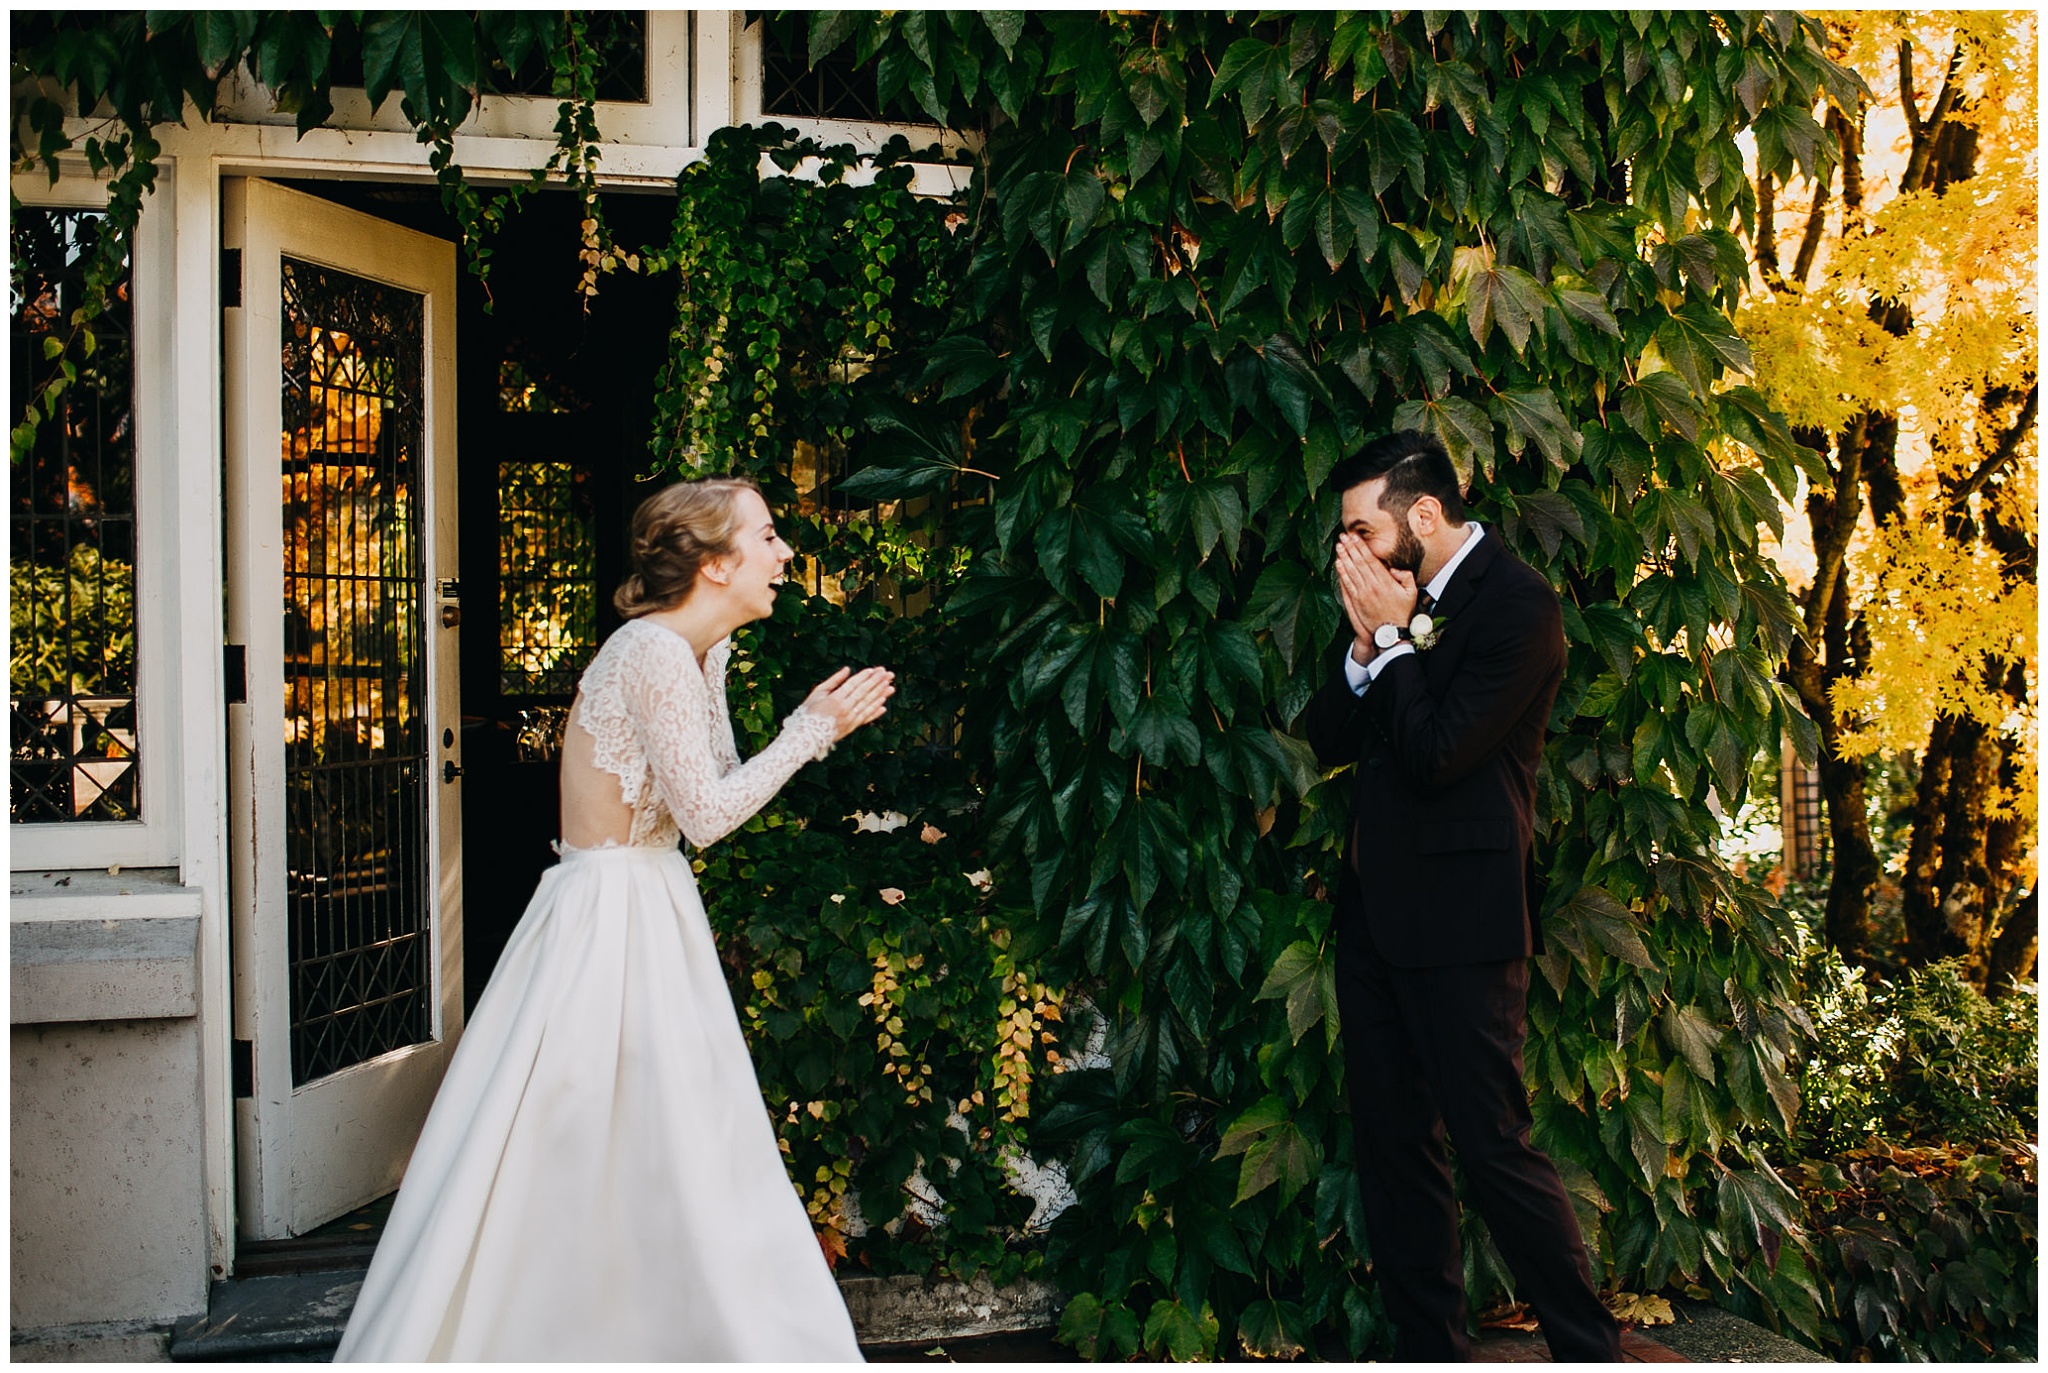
pixel 598 1179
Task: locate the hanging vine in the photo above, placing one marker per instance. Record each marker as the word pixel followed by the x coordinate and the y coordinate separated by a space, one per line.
pixel 797 281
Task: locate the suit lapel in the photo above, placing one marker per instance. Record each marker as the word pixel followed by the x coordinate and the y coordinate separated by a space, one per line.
pixel 1465 581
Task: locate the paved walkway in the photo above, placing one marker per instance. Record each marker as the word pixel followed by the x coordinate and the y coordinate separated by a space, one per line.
pixel 291 1301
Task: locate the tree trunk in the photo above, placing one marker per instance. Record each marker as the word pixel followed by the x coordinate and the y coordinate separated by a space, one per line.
pixel 1963 879
pixel 2012 954
pixel 1856 869
pixel 1920 894
pixel 1817 662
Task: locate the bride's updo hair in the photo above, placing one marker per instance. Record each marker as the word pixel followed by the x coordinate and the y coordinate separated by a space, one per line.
pixel 675 532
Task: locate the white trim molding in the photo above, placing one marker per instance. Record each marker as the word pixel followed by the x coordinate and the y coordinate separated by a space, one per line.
pixel 154 840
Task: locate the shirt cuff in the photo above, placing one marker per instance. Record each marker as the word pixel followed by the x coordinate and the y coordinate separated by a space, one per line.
pixel 1363 677
pixel 1356 674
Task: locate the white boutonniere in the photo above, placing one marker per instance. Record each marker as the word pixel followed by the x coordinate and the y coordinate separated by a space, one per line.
pixel 1422 632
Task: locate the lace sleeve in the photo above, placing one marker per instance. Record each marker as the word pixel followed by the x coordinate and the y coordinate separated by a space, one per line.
pixel 723 748
pixel 672 707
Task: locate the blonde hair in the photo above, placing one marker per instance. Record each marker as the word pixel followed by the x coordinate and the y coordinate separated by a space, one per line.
pixel 675 532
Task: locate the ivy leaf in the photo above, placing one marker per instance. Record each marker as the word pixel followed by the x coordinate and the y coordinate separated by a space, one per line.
pixel 1504 296
pixel 1210 509
pixel 1273 1330
pixel 1534 415
pixel 1149 845
pixel 1097 1330
pixel 1644 1115
pixel 1661 400
pixel 1005 26
pixel 1588 309
pixel 1393 146
pixel 1695 339
pixel 1153 1152
pixel 1305 976
pixel 1466 432
pixel 1182 1335
pixel 1162 731
pixel 961 364
pixel 391 54
pixel 831 28
pixel 448 49
pixel 1357 207
pixel 1246 762
pixel 1083 194
pixel 1693 1037
pixel 223 35
pixel 1755 1207
pixel 1285 1156
pixel 1550 517
pixel 1300 612
pixel 1292 382
pixel 1256 70
pixel 1267 1114
pixel 1230 663
pixel 1405 256
pixel 1607 922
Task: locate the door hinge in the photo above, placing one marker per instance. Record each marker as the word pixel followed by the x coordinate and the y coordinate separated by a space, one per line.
pixel 234 673
pixel 243 1069
pixel 230 278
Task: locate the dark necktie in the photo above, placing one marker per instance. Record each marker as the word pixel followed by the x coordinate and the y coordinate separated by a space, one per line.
pixel 1425 604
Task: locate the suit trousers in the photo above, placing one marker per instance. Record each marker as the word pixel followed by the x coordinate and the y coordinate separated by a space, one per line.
pixel 1433 1048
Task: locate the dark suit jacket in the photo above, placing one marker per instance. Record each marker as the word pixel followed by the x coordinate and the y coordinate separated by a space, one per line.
pixel 1446 743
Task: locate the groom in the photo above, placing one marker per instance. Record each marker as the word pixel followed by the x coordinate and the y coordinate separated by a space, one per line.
pixel 1456 652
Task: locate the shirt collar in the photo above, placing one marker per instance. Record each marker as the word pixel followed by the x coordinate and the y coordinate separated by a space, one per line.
pixel 1442 580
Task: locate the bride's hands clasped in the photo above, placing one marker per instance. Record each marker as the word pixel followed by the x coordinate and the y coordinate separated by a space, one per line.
pixel 852 699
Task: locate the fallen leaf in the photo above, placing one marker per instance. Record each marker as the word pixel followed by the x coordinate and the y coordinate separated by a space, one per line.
pixel 1648 1309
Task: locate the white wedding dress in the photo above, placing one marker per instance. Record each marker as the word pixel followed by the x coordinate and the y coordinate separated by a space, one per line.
pixel 598 1179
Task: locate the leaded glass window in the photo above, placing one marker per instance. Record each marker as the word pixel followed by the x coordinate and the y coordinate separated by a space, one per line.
pixel 837 88
pixel 547 578
pixel 71 559
pixel 354 667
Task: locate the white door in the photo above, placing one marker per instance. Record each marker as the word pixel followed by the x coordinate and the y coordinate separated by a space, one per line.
pixel 345 832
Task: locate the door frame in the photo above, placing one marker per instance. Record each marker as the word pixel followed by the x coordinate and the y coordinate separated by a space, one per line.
pixel 304 1154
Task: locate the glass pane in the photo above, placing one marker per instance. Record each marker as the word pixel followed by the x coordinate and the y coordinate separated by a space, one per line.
pixel 71 565
pixel 356 765
pixel 837 88
pixel 547 578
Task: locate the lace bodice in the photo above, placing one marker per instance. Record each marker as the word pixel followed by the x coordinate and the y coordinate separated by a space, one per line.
pixel 661 727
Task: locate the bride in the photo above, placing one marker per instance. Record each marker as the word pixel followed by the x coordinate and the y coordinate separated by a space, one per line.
pixel 598 1179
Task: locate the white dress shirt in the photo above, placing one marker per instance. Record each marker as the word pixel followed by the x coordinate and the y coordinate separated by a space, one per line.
pixel 1361 675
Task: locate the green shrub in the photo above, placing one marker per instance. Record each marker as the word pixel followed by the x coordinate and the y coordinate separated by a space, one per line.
pixel 1929 1253
pixel 1923 1058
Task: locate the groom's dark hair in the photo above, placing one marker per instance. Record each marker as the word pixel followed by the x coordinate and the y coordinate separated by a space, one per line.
pixel 1414 464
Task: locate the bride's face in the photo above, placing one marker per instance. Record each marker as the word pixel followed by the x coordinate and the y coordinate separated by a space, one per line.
pixel 758 559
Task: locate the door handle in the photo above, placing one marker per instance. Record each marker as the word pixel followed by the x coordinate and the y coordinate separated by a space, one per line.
pixel 450 771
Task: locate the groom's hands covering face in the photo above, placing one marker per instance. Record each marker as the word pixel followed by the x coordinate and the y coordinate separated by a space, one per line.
pixel 1373 593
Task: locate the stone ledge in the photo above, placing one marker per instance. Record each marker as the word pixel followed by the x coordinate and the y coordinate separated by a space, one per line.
pixel 1705 1333
pixel 114 964
pixel 907 1309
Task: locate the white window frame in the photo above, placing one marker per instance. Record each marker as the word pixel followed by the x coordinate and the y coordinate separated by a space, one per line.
pixel 664 119
pixel 927 178
pixel 153 840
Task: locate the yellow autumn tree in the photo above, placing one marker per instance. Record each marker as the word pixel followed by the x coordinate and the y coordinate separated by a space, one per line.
pixel 1894 322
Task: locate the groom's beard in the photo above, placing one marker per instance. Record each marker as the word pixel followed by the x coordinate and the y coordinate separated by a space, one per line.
pixel 1407 554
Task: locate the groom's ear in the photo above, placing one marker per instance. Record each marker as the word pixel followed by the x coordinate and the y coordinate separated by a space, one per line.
pixel 1424 516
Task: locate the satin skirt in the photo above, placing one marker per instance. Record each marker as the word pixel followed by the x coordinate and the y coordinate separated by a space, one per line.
pixel 598 1179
